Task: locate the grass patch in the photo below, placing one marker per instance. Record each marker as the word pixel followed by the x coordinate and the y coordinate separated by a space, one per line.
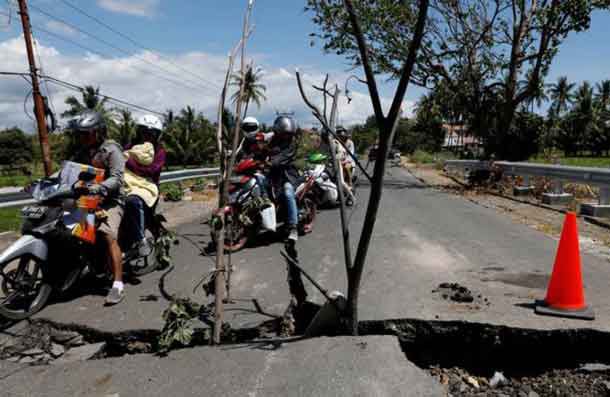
pixel 422 157
pixel 586 161
pixel 172 191
pixel 15 180
pixel 10 219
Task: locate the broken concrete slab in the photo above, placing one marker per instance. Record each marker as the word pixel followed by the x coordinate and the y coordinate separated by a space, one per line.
pixel 341 366
pixel 557 198
pixel 57 350
pixel 81 353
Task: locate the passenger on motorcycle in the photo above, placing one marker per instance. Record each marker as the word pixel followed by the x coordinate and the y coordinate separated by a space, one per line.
pixel 347 161
pixel 141 199
pixel 106 154
pixel 283 173
pixel 255 147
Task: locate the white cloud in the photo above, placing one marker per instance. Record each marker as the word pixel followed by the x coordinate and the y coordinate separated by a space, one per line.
pixel 141 8
pixel 132 80
pixel 61 28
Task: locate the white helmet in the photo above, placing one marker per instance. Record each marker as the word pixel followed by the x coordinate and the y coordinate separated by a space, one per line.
pixel 150 123
pixel 250 125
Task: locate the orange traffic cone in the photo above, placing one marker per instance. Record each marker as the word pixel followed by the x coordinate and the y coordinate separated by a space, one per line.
pixel 565 296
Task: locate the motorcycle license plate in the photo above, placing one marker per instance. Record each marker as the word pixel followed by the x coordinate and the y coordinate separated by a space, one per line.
pixel 33 212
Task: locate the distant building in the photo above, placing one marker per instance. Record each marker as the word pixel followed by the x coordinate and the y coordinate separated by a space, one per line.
pixel 458 137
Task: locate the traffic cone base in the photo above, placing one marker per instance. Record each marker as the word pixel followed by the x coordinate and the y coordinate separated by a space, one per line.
pixel 565 294
pixel 585 313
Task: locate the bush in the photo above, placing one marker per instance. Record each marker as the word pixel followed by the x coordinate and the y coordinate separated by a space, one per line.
pixel 15 147
pixel 172 191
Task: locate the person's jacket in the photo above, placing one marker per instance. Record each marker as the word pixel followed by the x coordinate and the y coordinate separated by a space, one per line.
pixel 152 171
pixel 109 157
pixel 282 155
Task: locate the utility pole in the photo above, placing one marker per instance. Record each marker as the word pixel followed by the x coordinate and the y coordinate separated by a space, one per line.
pixel 39 108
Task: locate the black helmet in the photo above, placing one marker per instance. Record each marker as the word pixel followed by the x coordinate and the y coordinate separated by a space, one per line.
pixel 89 121
pixel 285 125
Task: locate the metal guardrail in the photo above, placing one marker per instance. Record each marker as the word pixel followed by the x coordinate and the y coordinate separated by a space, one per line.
pixel 599 177
pixel 22 198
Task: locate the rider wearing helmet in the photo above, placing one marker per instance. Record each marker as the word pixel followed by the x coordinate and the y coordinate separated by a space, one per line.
pixel 108 155
pixel 284 174
pixel 148 129
pixel 250 126
pixel 346 159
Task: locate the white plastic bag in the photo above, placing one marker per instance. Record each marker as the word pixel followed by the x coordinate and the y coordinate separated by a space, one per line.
pixel 268 218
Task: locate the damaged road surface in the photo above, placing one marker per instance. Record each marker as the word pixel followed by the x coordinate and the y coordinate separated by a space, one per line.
pixel 342 366
pixel 486 272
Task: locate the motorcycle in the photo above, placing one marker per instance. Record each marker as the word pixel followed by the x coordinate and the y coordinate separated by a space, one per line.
pixel 248 213
pixel 57 248
pixel 325 190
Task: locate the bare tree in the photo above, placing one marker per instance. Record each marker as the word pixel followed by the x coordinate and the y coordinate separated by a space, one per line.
pixel 387 127
pixel 227 162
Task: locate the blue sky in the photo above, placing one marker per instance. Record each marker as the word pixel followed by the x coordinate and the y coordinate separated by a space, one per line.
pixel 198 34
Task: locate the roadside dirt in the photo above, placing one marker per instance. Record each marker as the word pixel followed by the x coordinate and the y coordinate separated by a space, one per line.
pixel 526 210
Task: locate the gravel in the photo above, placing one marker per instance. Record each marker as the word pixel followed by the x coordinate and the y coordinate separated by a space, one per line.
pixel 554 383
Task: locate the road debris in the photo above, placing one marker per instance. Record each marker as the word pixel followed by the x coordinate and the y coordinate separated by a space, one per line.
pixel 555 383
pixel 460 294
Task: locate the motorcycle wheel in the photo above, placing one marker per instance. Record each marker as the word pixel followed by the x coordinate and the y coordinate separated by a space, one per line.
pixel 24 285
pixel 236 235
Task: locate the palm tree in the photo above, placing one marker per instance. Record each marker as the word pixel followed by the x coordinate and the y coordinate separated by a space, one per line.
pixel 585 116
pixel 603 94
pixel 190 138
pixel 91 101
pixel 253 89
pixel 124 129
pixel 560 94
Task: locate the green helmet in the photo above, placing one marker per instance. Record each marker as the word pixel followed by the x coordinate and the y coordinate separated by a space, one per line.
pixel 317 158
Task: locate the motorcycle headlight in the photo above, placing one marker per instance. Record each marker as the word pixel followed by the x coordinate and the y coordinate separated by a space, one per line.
pixel 43 189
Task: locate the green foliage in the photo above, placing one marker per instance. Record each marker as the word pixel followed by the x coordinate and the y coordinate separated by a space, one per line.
pixel 486 61
pixel 254 91
pixel 190 139
pixel 585 161
pixel 172 191
pixel 308 143
pixel 15 147
pixel 91 100
pixel 365 135
pixel 178 329
pixel 386 25
pixel 10 219
pixel 163 245
pixel 124 128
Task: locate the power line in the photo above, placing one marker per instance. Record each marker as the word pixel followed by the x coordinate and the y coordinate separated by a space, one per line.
pixel 121 102
pixel 79 88
pixel 122 50
pixel 136 43
pixel 97 52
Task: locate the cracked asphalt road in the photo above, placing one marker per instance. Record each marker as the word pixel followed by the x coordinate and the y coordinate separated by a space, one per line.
pixel 423 237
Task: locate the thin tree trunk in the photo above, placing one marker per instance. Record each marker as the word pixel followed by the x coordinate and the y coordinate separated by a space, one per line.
pixel 387 128
pixel 220 268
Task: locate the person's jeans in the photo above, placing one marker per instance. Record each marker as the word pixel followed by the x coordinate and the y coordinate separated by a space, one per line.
pixel 291 205
pixel 135 216
pixel 261 180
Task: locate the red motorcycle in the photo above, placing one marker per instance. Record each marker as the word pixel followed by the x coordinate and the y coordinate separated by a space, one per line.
pixel 248 213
